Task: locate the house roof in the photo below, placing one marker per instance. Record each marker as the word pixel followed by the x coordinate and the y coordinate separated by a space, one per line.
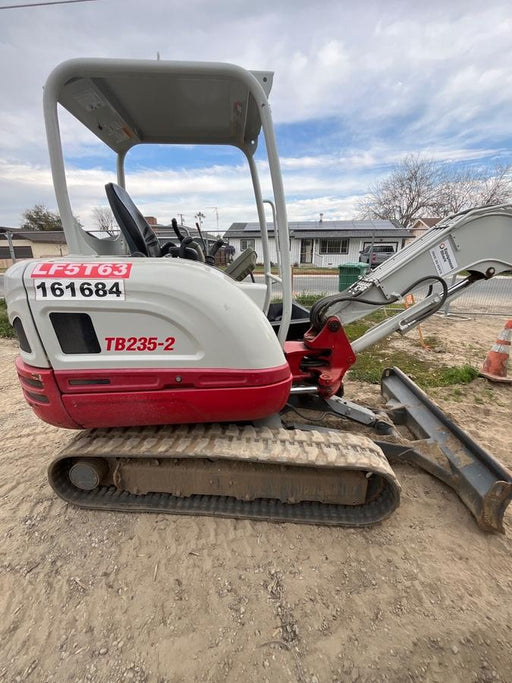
pixel 4 228
pixel 48 236
pixel 333 234
pixel 326 229
pixel 429 222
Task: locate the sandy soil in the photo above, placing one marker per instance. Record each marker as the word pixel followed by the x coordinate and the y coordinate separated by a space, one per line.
pixel 88 596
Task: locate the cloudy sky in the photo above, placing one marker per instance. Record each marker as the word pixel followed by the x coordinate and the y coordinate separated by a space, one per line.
pixel 357 85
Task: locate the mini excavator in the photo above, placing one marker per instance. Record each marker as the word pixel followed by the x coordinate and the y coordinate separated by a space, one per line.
pixel 170 367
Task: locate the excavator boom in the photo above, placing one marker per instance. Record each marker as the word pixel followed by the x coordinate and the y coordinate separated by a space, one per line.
pixel 478 242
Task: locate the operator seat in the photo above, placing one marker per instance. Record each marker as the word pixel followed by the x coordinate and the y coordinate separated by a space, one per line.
pixel 139 236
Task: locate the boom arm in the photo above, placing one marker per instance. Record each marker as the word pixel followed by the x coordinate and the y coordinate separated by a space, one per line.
pixel 478 241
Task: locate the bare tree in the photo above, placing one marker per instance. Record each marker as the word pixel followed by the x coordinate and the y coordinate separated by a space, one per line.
pixel 421 187
pixel 105 220
pixel 470 187
pixel 456 192
pixel 497 187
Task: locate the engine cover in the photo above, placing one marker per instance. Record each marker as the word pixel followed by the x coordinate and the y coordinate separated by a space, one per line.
pixel 144 341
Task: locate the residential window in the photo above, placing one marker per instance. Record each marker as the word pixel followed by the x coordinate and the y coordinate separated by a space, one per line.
pixel 19 252
pixel 334 246
pixel 246 244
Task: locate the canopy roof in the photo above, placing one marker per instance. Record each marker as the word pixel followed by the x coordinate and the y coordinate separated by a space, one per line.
pixel 127 102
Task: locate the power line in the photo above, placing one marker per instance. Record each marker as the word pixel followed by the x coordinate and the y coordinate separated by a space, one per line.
pixel 42 4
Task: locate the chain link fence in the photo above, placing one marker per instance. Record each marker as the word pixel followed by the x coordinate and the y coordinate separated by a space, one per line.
pixel 488 297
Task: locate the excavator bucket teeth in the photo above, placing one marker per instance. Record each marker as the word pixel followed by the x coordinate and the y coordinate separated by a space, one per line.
pixel 446 452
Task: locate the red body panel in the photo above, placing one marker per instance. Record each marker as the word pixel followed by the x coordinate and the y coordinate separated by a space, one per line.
pixel 43 395
pixel 321 358
pixel 179 406
pixel 117 398
pixel 151 379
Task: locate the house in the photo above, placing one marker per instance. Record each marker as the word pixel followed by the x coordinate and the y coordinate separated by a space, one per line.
pixel 30 244
pixel 421 225
pixel 325 244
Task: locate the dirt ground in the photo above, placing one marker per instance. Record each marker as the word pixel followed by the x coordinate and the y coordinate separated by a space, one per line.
pixel 96 596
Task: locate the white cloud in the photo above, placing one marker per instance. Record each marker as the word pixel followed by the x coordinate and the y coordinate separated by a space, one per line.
pixel 390 77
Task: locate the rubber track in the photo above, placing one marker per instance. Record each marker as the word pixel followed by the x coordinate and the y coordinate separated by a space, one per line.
pixel 271 446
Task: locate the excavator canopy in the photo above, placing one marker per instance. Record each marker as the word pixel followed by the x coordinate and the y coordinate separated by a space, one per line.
pixel 128 102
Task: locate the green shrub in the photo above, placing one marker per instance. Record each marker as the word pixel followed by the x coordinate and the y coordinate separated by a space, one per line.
pixel 6 330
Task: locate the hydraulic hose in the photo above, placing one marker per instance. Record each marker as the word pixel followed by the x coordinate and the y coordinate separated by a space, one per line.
pixel 320 310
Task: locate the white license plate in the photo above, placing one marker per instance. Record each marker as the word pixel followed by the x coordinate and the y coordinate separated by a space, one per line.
pixel 78 289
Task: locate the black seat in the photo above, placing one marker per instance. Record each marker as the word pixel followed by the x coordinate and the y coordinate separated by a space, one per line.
pixel 139 236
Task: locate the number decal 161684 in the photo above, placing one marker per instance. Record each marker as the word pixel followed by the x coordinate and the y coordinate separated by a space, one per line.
pixel 79 289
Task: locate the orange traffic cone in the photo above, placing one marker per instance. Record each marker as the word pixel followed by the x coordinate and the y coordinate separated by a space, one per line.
pixel 495 365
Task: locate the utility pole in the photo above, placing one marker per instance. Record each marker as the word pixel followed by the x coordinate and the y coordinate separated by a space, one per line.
pixel 216 209
pixel 199 217
pixel 11 248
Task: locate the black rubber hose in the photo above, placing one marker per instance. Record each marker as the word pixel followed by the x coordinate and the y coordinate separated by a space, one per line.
pixel 319 308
